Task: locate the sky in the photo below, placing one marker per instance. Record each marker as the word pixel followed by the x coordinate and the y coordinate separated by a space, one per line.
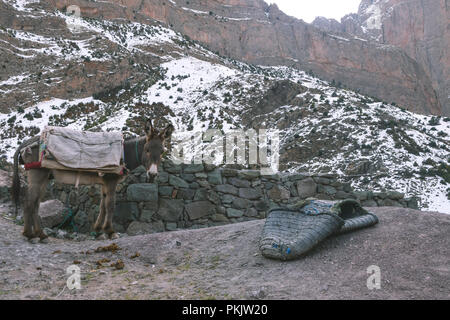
pixel 307 10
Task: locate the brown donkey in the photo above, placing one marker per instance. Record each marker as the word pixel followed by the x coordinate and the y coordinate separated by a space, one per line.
pixel 146 151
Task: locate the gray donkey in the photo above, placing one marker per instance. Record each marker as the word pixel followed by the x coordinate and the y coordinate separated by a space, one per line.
pixel 146 151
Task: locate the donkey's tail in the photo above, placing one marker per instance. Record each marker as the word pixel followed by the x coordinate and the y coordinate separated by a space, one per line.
pixel 15 191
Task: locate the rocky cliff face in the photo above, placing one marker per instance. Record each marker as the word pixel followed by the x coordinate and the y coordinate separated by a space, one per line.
pixel 419 27
pixel 258 33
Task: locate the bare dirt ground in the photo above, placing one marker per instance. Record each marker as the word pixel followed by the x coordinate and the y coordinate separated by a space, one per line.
pixel 410 247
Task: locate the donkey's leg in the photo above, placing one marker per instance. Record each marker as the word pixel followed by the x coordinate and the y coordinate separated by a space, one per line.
pixel 101 216
pixel 110 204
pixel 37 181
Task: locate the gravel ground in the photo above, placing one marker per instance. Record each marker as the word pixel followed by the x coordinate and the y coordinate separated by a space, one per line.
pixel 410 247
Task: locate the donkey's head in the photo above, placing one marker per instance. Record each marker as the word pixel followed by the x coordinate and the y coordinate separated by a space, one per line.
pixel 154 147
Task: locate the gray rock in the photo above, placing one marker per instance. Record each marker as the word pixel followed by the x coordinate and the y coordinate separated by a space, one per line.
pixel 234 213
pixel 172 168
pixel 189 177
pixel 412 203
pixel 201 195
pixel 186 194
pixel 252 212
pixel 262 205
pixel 249 174
pixel 200 209
pixel 394 195
pixel 361 195
pixel 52 213
pixel 219 218
pixel 227 188
pixel 328 190
pixel 306 188
pixel 214 197
pixel 165 191
pixel 163 177
pixel 221 210
pixel 369 203
pixel 139 170
pixel 147 215
pixel 81 222
pixel 279 193
pixel 125 212
pixel 239 203
pixel 193 168
pixel 250 193
pixel 341 195
pixel 227 198
pixel 177 182
pixel 389 203
pixel 347 187
pixel 203 183
pixel 201 175
pixel 142 192
pixel 256 183
pixel 273 177
pixel 240 183
pixel 297 176
pixel 380 195
pixel 215 177
pixel 322 180
pixel 194 185
pixel 171 226
pixel 227 172
pixel 170 210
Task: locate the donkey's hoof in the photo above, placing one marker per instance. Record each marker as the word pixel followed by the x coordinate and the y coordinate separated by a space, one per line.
pixel 114 236
pixel 34 240
pixel 102 237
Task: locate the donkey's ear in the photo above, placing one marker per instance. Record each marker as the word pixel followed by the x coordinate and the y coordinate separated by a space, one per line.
pixel 167 132
pixel 148 127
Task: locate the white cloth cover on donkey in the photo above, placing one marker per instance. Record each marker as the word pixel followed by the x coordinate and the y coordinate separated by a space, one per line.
pixel 81 149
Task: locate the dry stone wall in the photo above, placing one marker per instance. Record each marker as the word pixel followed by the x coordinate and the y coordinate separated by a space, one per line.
pixel 199 195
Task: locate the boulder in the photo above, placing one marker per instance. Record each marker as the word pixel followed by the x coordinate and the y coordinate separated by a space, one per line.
pixel 52 213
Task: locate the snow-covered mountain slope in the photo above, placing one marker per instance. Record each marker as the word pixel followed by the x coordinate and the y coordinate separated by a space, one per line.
pixel 323 127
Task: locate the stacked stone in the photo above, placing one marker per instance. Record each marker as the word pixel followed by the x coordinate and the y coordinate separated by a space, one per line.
pixel 199 195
